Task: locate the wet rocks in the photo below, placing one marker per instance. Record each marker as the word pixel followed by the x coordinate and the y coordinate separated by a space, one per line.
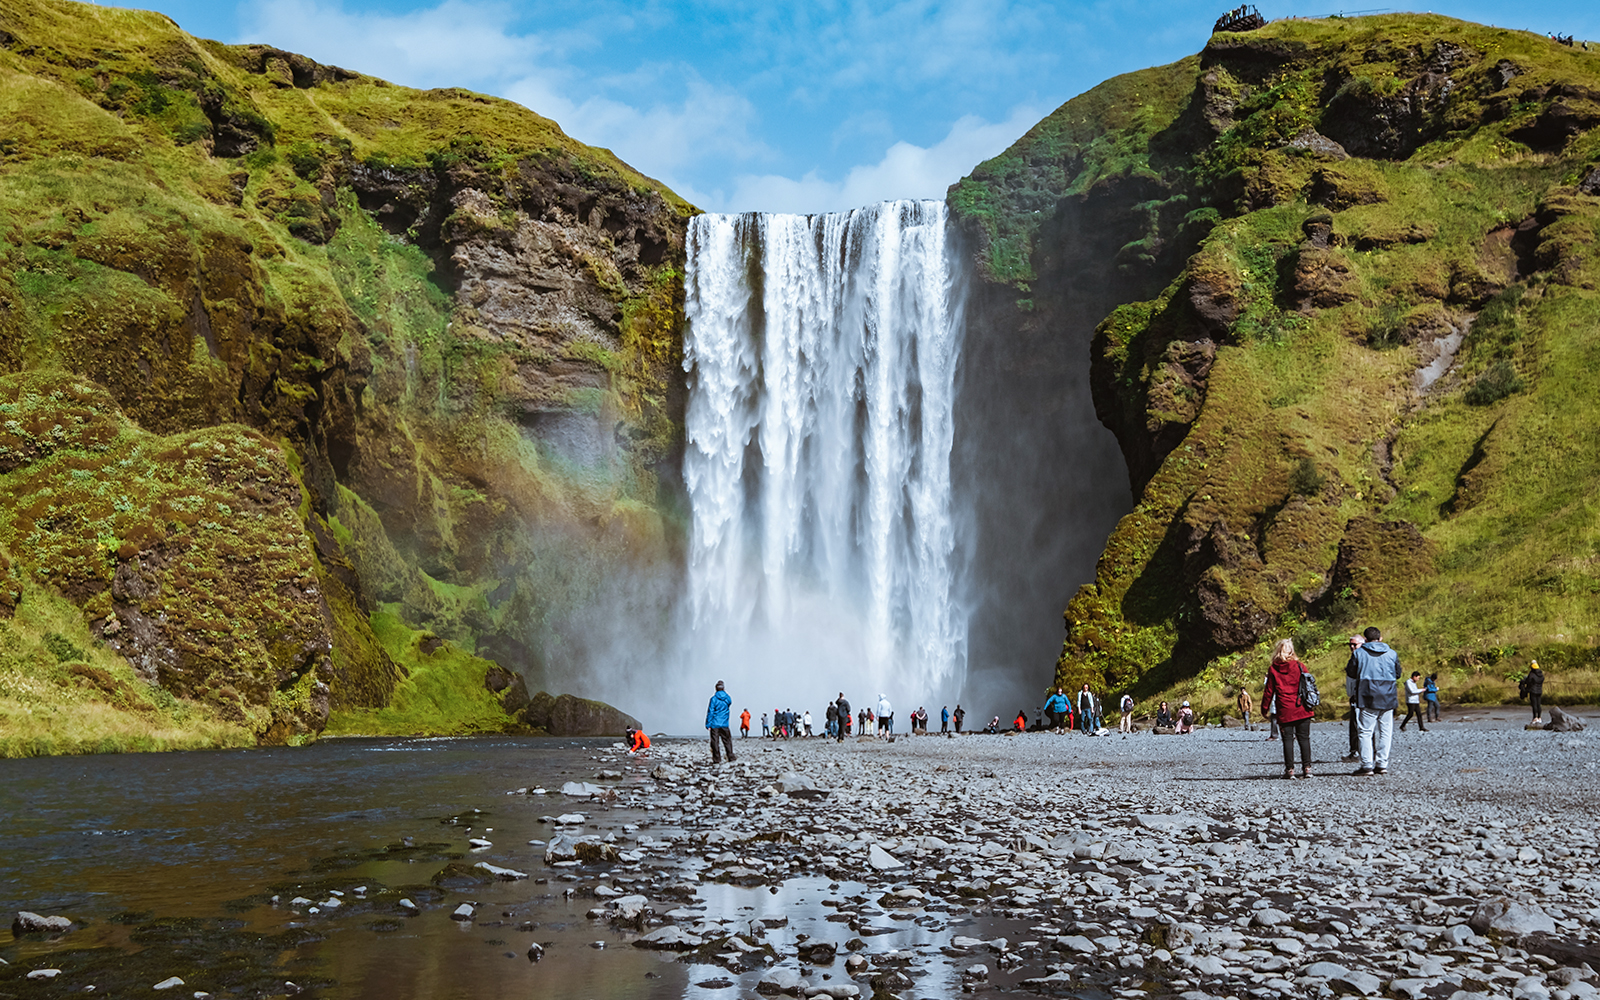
pixel 26 922
pixel 508 874
pixel 463 912
pixel 168 983
pixel 882 860
pixel 669 938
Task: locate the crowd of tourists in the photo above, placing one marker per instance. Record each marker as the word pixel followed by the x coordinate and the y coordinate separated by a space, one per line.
pixel 1288 704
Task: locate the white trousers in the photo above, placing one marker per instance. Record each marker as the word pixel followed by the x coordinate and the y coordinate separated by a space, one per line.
pixel 1374 732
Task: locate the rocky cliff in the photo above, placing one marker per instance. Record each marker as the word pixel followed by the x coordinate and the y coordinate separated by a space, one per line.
pixel 320 393
pixel 1337 283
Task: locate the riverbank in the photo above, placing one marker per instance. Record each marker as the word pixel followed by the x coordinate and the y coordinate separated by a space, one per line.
pixel 1150 865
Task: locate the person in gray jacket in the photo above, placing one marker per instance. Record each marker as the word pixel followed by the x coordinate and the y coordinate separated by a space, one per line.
pixel 1375 669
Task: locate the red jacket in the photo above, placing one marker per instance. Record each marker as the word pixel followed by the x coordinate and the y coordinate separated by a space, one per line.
pixel 1283 683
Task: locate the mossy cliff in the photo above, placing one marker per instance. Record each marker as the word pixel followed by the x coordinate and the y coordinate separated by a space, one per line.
pixel 309 375
pixel 1344 278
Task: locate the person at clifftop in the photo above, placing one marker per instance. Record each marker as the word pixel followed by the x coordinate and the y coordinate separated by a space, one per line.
pixel 1056 708
pixel 717 723
pixel 744 724
pixel 1376 670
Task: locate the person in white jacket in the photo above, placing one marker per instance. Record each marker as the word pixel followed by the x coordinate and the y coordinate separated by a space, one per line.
pixel 885 716
pixel 1414 688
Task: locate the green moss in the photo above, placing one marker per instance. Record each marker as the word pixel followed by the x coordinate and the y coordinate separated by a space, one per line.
pixel 443 693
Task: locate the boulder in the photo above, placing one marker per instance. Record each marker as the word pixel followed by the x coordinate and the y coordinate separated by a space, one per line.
pixel 1563 722
pixel 801 786
pixel 669 938
pixel 667 772
pixel 32 923
pixel 882 860
pixel 506 874
pixel 782 980
pixel 568 715
pixel 1512 918
pixel 581 789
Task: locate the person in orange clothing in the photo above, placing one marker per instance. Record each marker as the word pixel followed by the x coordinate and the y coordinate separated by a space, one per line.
pixel 1022 721
pixel 640 740
pixel 744 724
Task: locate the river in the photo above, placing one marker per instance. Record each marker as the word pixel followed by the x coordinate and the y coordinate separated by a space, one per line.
pixel 168 862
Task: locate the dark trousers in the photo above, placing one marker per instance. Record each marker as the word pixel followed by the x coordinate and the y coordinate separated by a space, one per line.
pixel 1291 732
pixel 1413 711
pixel 1055 719
pixel 1355 747
pixel 1538 709
pixel 1433 710
pixel 721 733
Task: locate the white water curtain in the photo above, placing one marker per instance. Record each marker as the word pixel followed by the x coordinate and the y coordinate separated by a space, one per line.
pixel 821 356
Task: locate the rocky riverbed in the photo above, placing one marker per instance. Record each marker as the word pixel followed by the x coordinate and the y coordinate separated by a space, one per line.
pixel 1042 864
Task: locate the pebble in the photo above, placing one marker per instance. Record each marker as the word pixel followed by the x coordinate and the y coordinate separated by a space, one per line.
pixel 167 984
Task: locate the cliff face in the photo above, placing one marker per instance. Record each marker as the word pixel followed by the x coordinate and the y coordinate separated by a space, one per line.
pixel 1344 278
pixel 449 332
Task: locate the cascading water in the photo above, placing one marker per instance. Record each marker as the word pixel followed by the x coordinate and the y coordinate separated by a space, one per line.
pixel 821 356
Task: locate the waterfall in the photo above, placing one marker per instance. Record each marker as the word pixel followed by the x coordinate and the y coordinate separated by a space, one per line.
pixel 821 355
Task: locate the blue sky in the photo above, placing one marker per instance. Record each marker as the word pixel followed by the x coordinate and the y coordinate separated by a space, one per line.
pixel 779 106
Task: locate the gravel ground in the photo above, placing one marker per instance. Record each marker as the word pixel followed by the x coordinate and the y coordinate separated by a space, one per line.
pixel 1121 866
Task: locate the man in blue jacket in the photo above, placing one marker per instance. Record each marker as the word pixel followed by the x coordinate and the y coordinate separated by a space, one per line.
pixel 1375 670
pixel 717 723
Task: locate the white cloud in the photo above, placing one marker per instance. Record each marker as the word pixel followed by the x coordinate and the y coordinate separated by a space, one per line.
pixel 905 171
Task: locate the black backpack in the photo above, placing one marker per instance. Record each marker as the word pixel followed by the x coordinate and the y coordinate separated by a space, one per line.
pixel 1310 697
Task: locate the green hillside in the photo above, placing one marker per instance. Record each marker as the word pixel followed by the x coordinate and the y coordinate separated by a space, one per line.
pixel 235 248
pixel 1297 223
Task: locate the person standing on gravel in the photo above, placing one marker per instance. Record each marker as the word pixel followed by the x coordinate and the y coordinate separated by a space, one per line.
pixel 1430 694
pixel 1056 708
pixel 1126 725
pixel 885 716
pixel 1245 708
pixel 1414 701
pixel 957 716
pixel 1085 708
pixel 1532 688
pixel 717 723
pixel 842 707
pixel 744 724
pixel 1376 670
pixel 1294 718
pixel 944 720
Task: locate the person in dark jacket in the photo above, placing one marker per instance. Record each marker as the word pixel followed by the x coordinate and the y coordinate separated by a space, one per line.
pixel 717 723
pixel 842 708
pixel 958 716
pixel 1375 668
pixel 1430 694
pixel 1294 718
pixel 1532 688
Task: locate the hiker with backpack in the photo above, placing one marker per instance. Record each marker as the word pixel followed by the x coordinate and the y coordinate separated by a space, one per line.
pixel 1290 686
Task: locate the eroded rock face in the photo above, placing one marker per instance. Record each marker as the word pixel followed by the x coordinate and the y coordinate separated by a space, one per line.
pixel 568 715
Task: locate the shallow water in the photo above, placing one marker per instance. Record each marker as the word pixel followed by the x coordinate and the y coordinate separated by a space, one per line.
pixel 214 834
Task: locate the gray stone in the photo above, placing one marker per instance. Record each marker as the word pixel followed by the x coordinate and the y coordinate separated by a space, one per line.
pixel 667 772
pixel 408 906
pixel 32 923
pixel 581 790
pixel 1269 917
pixel 1414 989
pixel 508 874
pixel 1511 917
pixel 782 980
pixel 670 938
pixel 882 860
pixel 167 984
pixel 535 952
pixel 1077 943
pixel 797 785
pixel 44 973
pixel 839 991
pixel 462 912
pixel 1325 970
pixel 1353 981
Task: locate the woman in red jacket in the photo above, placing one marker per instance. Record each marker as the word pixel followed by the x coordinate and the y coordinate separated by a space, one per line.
pixel 1294 719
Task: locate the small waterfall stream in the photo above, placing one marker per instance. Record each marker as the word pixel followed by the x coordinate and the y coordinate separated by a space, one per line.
pixel 821 355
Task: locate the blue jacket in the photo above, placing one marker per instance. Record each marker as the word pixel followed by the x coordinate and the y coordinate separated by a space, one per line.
pixel 717 711
pixel 1057 703
pixel 1375 668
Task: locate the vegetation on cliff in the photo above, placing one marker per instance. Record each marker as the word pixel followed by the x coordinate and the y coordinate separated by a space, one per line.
pixel 426 335
pixel 1352 368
